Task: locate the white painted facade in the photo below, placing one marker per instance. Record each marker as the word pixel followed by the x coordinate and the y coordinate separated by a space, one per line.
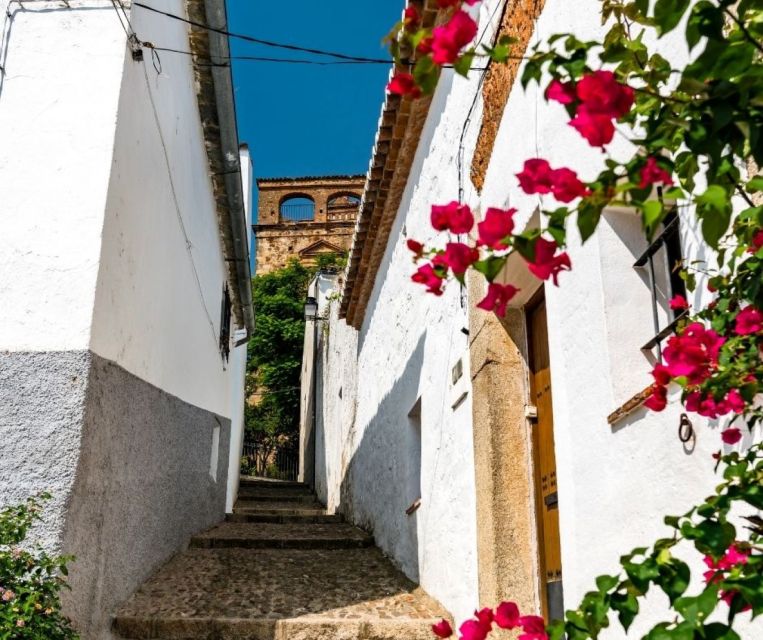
pixel 113 270
pixel 615 483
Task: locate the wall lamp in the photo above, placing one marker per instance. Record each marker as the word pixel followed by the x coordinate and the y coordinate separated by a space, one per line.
pixel 311 308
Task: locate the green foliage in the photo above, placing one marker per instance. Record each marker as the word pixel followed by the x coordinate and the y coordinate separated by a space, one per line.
pixel 30 580
pixel 731 587
pixel 275 352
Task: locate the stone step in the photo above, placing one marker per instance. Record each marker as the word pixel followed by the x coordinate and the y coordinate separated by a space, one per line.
pixel 251 481
pixel 253 507
pixel 282 536
pixel 275 594
pixel 276 495
pixel 284 518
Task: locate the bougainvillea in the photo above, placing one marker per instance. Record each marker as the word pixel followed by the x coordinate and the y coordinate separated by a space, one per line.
pixel 689 124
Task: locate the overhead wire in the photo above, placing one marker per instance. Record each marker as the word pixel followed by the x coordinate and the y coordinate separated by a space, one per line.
pixel 261 41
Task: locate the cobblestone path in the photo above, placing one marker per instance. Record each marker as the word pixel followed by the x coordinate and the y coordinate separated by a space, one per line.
pixel 279 568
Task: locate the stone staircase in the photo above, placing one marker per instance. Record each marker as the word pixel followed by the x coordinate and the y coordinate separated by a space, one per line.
pixel 279 568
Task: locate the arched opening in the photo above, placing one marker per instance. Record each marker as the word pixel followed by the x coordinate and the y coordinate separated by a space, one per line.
pixel 344 201
pixel 297 208
pixel 343 206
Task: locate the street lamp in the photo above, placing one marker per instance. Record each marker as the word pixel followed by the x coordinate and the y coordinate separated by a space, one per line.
pixel 311 308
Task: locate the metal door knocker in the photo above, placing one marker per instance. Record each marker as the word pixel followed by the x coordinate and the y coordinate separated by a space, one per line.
pixel 685 429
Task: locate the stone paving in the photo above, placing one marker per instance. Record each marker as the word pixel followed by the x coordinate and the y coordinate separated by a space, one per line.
pixel 231 592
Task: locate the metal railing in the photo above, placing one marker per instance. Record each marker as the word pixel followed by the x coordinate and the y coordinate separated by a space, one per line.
pixel 265 460
pixel 297 212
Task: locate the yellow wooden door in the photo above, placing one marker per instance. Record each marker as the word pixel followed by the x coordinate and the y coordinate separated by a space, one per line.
pixel 545 463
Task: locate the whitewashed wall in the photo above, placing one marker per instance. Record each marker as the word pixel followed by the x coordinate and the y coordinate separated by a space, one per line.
pixel 160 285
pixel 55 161
pixel 615 484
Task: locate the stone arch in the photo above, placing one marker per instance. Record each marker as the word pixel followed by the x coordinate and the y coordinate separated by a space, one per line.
pixel 296 207
pixel 343 199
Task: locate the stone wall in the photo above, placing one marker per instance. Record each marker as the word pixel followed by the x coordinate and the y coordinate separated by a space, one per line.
pixel 330 230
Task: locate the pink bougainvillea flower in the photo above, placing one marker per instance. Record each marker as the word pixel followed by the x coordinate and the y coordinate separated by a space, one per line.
pixel 458 257
pixel 404 84
pixel 495 228
pixel 658 399
pixel 444 4
pixel 536 177
pixel 734 557
pixel 602 94
pixel 661 374
pixel 534 628
pixel 416 247
pixel 563 92
pixel 693 353
pixel 442 629
pixel 566 186
pixel 757 241
pixel 547 263
pixel 430 278
pixel 497 298
pixel 453 217
pixel 652 173
pixel 450 38
pixel 728 597
pixel 678 302
pixel 735 401
pixel 596 128
pixel 425 46
pixel 748 321
pixel 507 615
pixel 411 18
pixel 731 435
pixel 474 630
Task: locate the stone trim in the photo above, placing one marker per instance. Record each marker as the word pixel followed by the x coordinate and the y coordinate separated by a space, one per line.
pixel 397 138
pixel 518 21
pixel 274 182
pixel 629 406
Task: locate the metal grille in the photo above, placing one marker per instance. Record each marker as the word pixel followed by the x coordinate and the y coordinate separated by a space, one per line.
pixel 297 212
pixel 269 460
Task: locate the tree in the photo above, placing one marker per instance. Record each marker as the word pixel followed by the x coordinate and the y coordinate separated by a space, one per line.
pixel 275 355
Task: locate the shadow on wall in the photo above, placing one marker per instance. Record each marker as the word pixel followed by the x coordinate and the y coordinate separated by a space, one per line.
pixel 383 477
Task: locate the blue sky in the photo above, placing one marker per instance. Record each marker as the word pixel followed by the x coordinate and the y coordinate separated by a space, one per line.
pixel 304 119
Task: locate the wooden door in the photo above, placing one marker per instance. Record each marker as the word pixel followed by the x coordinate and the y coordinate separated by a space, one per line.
pixel 547 507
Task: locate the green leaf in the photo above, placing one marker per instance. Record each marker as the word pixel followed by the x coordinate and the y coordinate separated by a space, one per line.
pixel 627 607
pixel 490 267
pixel 606 583
pixel 464 64
pixel 668 13
pixel 589 214
pixel 697 608
pixel 756 184
pixel 714 209
pixel 719 631
pixel 653 213
pixel 674 579
pixel 426 73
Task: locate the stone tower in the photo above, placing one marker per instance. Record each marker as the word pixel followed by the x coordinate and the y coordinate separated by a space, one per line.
pixel 305 217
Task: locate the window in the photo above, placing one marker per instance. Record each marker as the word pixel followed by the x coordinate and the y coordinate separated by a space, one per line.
pixel 664 254
pixel 297 208
pixel 225 319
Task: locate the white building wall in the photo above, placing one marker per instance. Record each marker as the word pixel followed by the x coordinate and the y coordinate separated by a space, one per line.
pixel 160 285
pixel 55 161
pixel 615 483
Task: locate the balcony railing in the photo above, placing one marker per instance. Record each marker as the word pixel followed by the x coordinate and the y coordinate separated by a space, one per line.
pixel 297 212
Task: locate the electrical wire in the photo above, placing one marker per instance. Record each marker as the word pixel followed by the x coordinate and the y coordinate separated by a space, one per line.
pixel 266 43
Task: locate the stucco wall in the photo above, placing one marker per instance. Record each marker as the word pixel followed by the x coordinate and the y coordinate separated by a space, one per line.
pixel 58 105
pixel 162 271
pixel 615 483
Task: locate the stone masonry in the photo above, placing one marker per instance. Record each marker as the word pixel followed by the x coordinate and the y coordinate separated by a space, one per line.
pixel 279 568
pixel 336 200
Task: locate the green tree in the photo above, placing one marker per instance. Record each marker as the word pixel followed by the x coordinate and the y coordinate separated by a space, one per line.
pixel 275 355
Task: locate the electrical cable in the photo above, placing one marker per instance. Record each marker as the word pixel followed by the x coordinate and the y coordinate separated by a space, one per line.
pixel 266 43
